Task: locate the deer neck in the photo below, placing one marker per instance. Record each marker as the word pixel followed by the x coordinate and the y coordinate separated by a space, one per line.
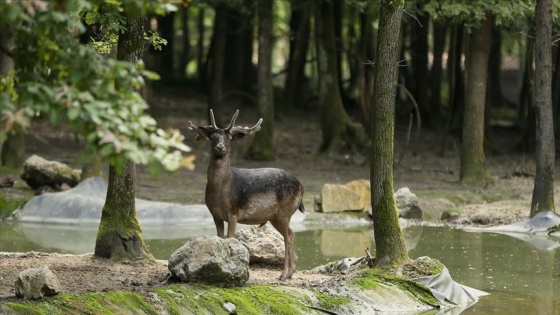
pixel 219 171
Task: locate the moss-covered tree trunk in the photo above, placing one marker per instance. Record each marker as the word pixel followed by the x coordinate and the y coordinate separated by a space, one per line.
pixel 336 126
pixel 299 44
pixel 217 62
pixel 543 190
pixel 556 94
pixel 473 168
pixel 389 241
pixel 119 236
pixel 262 146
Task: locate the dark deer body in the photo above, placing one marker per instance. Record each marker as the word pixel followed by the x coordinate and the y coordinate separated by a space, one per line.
pixel 248 196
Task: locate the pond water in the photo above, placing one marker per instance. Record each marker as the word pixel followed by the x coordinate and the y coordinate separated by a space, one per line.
pixel 521 275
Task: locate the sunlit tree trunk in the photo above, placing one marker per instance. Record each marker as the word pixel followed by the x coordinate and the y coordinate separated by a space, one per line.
pixel 389 241
pixel 543 191
pixel 262 146
pixel 336 126
pixel 119 236
pixel 473 166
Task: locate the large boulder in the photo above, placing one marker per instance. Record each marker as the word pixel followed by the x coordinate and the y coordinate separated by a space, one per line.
pixel 407 204
pixel 352 196
pixel 39 173
pixel 211 260
pixel 266 245
pixel 36 283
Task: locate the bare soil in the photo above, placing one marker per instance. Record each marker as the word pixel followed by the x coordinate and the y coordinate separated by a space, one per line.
pixel 419 165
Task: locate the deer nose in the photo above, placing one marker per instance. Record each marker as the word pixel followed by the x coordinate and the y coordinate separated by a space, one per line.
pixel 220 147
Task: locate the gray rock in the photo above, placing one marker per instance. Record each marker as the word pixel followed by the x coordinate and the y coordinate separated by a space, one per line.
pixel 36 283
pixel 40 173
pixel 212 260
pixel 266 245
pixel 230 308
pixel 407 204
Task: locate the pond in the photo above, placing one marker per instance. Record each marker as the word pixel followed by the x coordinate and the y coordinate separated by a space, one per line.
pixel 523 276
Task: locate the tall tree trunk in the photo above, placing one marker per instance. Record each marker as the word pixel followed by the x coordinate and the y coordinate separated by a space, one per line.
pixel 543 190
pixel 12 148
pixel 217 62
pixel 436 77
pixel 201 68
pixel 336 126
pixel 167 56
pixel 526 114
pixel 262 146
pixel 365 57
pixel 119 236
pixel 556 93
pixel 419 53
pixel 239 46
pixel 185 54
pixel 338 14
pixel 457 80
pixel 299 45
pixel 473 168
pixel 390 248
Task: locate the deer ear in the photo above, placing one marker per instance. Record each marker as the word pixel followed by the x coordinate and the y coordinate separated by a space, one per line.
pixel 237 136
pixel 203 133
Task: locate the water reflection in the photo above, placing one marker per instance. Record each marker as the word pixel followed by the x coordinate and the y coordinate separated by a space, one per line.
pixel 523 277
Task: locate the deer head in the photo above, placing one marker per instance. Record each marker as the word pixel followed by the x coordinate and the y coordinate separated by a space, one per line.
pixel 221 138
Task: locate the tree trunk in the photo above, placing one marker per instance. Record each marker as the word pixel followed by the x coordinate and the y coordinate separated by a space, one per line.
pixel 201 68
pixel 12 148
pixel 239 46
pixel 337 128
pixel 473 168
pixel 185 54
pixel 166 56
pixel 419 54
pixel 262 146
pixel 119 236
pixel 556 93
pixel 436 77
pixel 365 56
pixel 390 248
pixel 526 114
pixel 543 190
pixel 299 44
pixel 457 79
pixel 217 62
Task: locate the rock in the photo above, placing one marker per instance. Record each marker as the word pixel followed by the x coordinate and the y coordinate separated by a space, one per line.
pixel 35 283
pixel 266 245
pixel 352 196
pixel 407 204
pixel 39 173
pixel 211 260
pixel 230 308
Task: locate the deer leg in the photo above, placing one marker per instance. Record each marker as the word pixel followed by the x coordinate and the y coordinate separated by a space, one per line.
pixel 292 253
pixel 232 222
pixel 284 229
pixel 219 227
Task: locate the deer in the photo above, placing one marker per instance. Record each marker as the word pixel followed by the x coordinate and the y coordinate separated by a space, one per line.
pixel 248 196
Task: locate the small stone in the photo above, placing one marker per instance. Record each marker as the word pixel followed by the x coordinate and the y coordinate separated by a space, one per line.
pixel 230 308
pixel 36 283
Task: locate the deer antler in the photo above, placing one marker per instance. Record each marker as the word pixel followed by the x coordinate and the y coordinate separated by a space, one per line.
pixel 232 122
pixel 212 120
pixel 247 130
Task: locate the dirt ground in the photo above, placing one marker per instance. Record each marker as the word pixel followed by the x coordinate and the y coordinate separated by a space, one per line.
pixel 419 165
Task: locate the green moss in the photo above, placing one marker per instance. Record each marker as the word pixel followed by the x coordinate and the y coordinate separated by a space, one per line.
pixel 256 299
pixel 117 302
pixel 370 278
pixel 330 302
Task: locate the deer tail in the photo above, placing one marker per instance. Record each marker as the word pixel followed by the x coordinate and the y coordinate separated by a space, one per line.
pixel 301 207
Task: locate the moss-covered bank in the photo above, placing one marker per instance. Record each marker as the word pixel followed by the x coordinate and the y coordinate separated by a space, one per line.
pixel 366 291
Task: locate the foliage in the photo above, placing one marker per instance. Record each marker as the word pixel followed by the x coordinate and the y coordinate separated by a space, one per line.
pixel 59 79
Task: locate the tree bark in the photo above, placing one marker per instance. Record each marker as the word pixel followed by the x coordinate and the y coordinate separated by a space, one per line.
pixel 365 56
pixel 526 114
pixel 436 77
pixel 119 236
pixel 389 241
pixel 473 168
pixel 457 79
pixel 262 146
pixel 299 45
pixel 543 190
pixel 201 68
pixel 185 54
pixel 337 128
pixel 556 93
pixel 238 66
pixel 419 54
pixel 217 62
